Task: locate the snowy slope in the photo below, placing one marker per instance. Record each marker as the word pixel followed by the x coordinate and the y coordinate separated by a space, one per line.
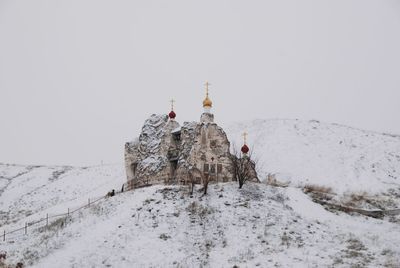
pixel 161 226
pixel 341 157
pixel 26 190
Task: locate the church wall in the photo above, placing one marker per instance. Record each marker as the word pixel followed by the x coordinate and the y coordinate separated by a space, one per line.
pixel 166 153
pixel 131 157
pixel 210 152
pixel 148 155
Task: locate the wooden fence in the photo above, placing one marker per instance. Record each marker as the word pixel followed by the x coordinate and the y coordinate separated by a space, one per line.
pixel 48 219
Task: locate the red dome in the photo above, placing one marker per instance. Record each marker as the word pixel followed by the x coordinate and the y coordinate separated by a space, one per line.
pixel 245 149
pixel 172 115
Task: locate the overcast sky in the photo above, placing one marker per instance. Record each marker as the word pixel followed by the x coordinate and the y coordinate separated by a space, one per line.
pixel 78 78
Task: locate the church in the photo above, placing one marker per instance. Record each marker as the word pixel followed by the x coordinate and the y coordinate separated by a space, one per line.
pixel 169 153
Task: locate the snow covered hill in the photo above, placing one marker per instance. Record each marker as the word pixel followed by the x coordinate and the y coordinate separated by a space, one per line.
pixel 311 152
pixel 260 225
pixel 161 226
pixel 26 190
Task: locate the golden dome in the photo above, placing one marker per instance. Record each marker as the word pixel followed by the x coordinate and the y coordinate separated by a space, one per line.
pixel 207 102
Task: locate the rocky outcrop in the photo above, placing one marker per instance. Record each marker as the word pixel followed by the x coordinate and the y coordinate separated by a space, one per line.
pixel 146 158
pixel 168 153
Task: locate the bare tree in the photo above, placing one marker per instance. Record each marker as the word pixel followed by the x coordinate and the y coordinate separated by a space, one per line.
pixel 194 173
pixel 205 183
pixel 242 166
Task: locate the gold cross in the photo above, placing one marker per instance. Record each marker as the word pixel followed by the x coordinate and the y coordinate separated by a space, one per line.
pixel 245 137
pixel 172 104
pixel 207 84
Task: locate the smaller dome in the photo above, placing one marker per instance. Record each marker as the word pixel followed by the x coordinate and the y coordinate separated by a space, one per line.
pixel 207 102
pixel 172 115
pixel 245 149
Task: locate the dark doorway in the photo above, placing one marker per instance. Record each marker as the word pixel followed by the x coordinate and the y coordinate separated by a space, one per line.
pixel 134 169
pixel 174 166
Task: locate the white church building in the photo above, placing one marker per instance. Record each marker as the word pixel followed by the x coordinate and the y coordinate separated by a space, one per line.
pixel 169 153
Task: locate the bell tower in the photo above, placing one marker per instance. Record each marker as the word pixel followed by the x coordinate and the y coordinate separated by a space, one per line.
pixel 207 116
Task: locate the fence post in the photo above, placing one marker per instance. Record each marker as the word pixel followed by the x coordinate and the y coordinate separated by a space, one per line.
pixel 4 235
pixel 26 228
pixel 89 202
pixel 68 213
pixel 47 219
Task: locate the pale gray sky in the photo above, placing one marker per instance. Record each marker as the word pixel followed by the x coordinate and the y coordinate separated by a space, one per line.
pixel 78 78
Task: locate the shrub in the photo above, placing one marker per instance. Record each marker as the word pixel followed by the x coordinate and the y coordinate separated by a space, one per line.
pixel 317 189
pixel 164 237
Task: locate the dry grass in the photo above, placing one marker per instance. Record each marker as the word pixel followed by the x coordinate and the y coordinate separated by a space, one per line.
pixel 313 188
pixel 357 197
pixel 318 192
pixel 197 209
pixel 272 181
pixel 354 199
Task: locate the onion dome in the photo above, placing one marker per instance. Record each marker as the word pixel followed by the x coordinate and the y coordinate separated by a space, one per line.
pixel 207 102
pixel 245 149
pixel 172 115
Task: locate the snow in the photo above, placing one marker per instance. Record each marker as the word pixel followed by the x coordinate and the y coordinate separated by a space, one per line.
pixel 311 152
pixel 161 226
pixel 152 133
pixel 51 189
pixel 257 226
pixel 153 164
pixel 298 201
pixel 176 130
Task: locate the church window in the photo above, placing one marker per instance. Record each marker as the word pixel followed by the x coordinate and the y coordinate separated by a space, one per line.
pixel 212 169
pixel 219 168
pixel 206 168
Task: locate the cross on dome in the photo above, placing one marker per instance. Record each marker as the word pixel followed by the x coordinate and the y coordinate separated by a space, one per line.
pixel 172 114
pixel 207 103
pixel 245 137
pixel 245 149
